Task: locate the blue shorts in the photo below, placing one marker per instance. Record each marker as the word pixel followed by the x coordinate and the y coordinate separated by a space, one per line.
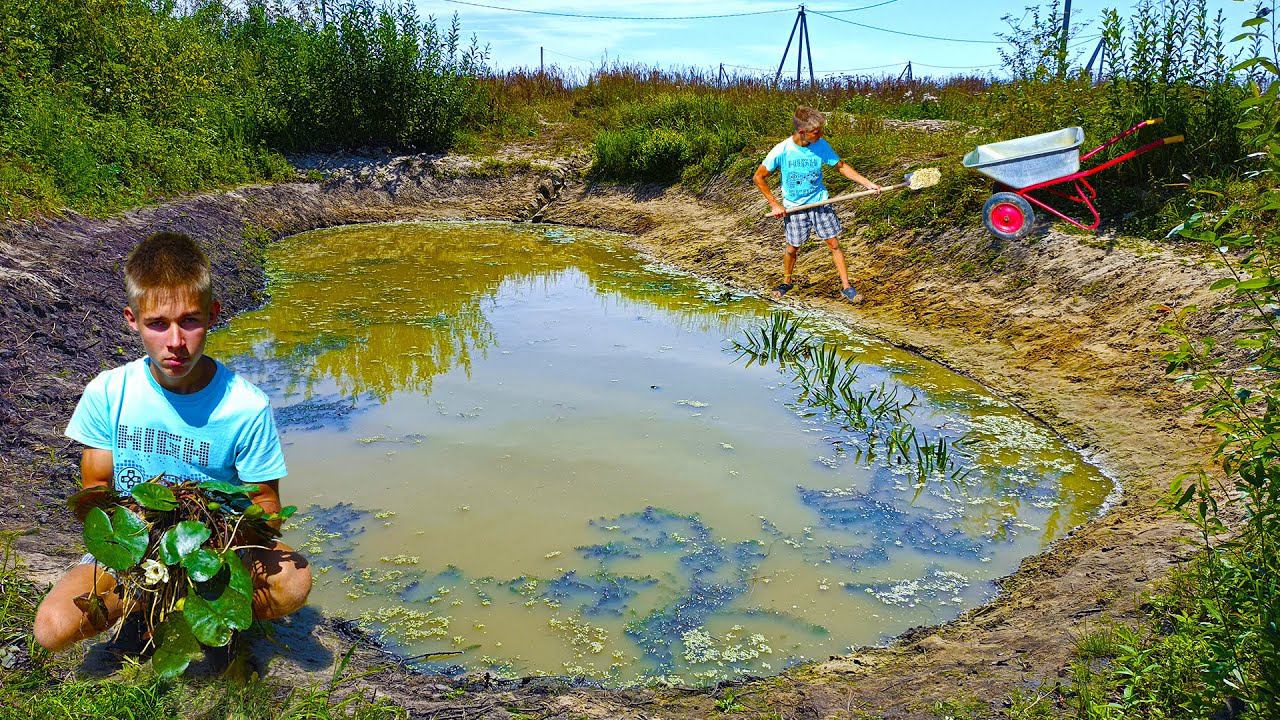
pixel 820 221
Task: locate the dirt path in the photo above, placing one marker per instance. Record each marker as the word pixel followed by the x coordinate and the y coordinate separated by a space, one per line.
pixel 1058 324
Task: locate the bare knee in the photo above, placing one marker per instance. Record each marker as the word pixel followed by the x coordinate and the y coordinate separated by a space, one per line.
pixel 282 580
pixel 834 244
pixel 59 622
pixel 792 250
pixel 57 626
pixel 286 593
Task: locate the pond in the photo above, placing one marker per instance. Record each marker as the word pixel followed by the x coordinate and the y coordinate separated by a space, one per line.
pixel 526 450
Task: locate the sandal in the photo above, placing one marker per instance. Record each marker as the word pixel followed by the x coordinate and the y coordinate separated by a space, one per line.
pixel 851 294
pixel 781 290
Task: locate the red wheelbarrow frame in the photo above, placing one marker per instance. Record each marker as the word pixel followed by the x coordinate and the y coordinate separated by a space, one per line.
pixel 1085 193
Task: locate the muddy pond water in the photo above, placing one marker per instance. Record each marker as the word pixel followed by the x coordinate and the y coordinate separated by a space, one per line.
pixel 530 448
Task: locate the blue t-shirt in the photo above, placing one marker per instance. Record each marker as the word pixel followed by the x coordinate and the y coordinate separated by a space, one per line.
pixel 225 431
pixel 801 170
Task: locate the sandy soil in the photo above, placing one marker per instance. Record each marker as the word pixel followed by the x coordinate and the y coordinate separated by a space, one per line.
pixel 1065 326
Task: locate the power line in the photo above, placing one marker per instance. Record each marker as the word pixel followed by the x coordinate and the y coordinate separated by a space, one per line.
pixel 959 67
pixel 571 57
pixel 864 7
pixel 619 17
pixel 902 32
pixel 655 17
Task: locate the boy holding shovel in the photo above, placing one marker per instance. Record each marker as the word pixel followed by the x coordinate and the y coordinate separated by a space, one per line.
pixel 801 158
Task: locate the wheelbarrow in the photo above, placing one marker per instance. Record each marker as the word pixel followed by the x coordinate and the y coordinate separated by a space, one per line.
pixel 1029 164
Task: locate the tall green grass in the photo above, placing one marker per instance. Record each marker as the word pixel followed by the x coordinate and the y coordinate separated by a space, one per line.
pixel 105 104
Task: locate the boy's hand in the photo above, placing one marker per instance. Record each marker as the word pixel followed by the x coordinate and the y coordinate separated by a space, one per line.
pixel 777 210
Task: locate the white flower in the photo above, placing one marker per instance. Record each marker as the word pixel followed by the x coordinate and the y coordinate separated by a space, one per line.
pixel 154 572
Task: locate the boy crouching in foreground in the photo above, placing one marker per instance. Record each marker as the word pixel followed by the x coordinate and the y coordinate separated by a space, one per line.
pixel 180 413
pixel 801 158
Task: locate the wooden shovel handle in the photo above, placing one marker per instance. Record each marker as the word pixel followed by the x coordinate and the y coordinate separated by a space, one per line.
pixel 846 196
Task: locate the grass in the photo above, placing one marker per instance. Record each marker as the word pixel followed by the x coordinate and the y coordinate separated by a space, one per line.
pixel 41 685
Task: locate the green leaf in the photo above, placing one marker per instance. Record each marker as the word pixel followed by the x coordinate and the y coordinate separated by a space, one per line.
pixel 1222 283
pixel 181 540
pixel 226 488
pixel 223 604
pixel 202 564
pixel 176 646
pixel 119 542
pixel 154 496
pixel 1254 22
pixel 1255 283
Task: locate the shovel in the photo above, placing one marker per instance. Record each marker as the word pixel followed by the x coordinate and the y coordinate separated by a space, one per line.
pixel 922 178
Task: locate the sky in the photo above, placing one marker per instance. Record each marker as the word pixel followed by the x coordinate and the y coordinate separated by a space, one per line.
pixel 754 44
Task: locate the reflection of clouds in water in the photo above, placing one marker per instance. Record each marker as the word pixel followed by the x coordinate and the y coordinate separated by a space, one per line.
pixel 412 304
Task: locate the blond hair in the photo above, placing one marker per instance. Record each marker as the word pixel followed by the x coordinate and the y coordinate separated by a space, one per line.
pixel 807 118
pixel 167 263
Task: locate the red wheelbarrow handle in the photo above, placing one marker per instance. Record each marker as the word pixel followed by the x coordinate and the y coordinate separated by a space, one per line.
pixel 1121 136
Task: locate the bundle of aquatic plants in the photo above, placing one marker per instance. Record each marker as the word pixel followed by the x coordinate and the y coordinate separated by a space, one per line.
pixel 173 549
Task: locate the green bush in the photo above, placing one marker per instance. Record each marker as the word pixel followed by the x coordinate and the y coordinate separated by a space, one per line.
pixel 105 104
pixel 673 136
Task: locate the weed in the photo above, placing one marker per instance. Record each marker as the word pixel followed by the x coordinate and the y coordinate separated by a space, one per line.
pixel 730 701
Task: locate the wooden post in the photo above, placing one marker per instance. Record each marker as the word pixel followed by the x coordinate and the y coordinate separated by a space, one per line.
pixel 808 44
pixel 1066 31
pixel 542 62
pixel 778 76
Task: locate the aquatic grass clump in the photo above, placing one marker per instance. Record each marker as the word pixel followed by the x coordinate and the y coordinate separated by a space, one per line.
pixel 173 549
pixel 780 341
pixel 827 380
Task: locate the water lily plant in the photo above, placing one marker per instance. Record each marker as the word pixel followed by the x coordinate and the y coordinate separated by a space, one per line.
pixel 174 550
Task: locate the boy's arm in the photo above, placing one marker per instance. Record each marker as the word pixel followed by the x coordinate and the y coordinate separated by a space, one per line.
pixel 96 471
pixel 848 171
pixel 268 498
pixel 759 178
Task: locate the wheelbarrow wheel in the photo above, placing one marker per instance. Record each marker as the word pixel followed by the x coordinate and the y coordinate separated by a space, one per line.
pixel 1008 216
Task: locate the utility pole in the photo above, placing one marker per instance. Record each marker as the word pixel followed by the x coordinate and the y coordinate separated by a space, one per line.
pixel 808 47
pixel 720 78
pixel 906 72
pixel 1088 68
pixel 542 61
pixel 805 48
pixel 1066 32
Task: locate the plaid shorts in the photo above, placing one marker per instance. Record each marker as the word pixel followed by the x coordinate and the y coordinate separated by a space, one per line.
pixel 821 221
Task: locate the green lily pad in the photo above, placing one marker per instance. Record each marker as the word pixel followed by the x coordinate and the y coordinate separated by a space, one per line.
pixel 222 604
pixel 202 565
pixel 154 496
pixel 101 496
pixel 119 542
pixel 176 646
pixel 181 540
pixel 226 488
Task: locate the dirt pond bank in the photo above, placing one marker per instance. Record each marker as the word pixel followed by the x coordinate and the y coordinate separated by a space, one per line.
pixel 1065 326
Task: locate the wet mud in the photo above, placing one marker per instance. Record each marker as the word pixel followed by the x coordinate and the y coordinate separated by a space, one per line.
pixel 1067 327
